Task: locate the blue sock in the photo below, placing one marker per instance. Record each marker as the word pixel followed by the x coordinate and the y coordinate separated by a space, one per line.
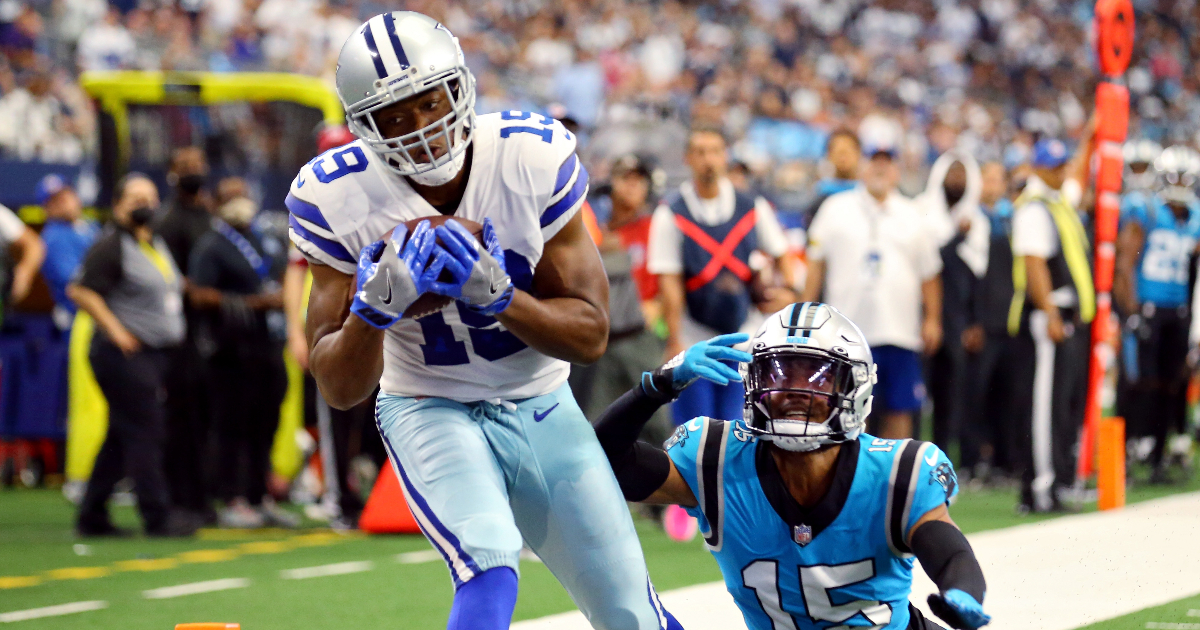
pixel 485 602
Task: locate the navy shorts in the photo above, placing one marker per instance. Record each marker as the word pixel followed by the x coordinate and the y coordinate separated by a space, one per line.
pixel 901 387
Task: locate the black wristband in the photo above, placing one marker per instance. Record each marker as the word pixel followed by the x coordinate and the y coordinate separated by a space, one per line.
pixel 948 559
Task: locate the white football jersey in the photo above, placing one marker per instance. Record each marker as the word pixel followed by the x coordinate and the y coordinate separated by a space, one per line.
pixel 524 176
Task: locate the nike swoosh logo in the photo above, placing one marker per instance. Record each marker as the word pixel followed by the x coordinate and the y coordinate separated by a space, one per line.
pixel 931 458
pixel 387 301
pixel 300 183
pixel 539 416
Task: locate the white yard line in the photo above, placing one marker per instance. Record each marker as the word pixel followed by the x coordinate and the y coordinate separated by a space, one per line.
pixel 195 588
pixel 340 568
pixel 51 611
pixel 418 557
pixel 1053 575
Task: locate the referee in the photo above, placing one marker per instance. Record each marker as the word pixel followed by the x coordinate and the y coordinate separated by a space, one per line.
pixel 133 290
pixel 1053 304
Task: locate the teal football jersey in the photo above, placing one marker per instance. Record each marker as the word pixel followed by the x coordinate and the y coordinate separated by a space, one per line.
pixel 840 564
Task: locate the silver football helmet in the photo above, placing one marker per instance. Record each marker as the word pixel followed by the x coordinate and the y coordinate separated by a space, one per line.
pixel 1179 169
pixel 394 56
pixel 810 381
pixel 1139 164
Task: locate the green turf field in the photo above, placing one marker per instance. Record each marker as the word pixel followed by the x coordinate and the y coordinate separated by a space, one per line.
pixel 43 564
pixel 1179 615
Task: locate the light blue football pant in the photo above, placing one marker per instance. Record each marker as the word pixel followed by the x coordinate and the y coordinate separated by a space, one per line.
pixel 479 477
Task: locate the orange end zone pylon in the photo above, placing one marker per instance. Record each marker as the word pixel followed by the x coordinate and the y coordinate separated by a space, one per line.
pixel 1110 464
pixel 387 510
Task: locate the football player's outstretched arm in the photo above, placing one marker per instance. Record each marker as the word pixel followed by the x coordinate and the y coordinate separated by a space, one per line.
pixel 949 561
pixel 568 319
pixel 345 352
pixel 644 471
pixel 1129 245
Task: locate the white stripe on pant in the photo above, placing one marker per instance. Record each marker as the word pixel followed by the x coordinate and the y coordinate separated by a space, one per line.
pixel 1043 396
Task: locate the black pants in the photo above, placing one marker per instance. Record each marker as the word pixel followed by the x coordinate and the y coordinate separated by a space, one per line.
pixel 136 392
pixel 1158 393
pixel 947 390
pixel 1051 394
pixel 987 418
pixel 189 422
pixel 248 386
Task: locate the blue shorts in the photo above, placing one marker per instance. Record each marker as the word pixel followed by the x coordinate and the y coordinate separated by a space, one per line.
pixel 901 388
pixel 481 478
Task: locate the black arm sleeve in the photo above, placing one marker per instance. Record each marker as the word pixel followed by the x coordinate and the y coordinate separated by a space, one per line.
pixel 640 467
pixel 947 557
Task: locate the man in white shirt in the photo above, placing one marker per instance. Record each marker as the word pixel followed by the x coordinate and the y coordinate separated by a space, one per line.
pixel 1053 304
pixel 699 247
pixel 872 256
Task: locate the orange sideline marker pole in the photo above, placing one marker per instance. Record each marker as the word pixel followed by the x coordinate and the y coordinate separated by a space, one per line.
pixel 1111 464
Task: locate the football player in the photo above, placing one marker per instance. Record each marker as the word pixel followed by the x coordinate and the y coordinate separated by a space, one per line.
pixel 814 523
pixel 474 407
pixel 1154 259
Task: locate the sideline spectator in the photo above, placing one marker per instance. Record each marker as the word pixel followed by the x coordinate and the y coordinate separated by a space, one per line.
pixel 131 287
pixel 951 203
pixel 633 348
pixel 67 236
pixel 236 292
pixel 842 154
pixel 700 245
pixel 870 252
pixel 988 428
pixel 106 45
pixel 1056 301
pixel 188 218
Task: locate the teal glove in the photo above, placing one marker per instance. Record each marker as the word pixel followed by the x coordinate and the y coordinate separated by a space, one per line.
pixel 701 361
pixel 959 609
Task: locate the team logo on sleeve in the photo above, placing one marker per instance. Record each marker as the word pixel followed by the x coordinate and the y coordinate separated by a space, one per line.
pixel 678 437
pixel 944 476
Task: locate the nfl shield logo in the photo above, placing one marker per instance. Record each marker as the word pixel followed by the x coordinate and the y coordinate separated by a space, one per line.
pixel 802 534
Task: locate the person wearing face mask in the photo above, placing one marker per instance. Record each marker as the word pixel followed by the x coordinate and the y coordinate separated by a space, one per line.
pixel 951 205
pixel 186 220
pixel 236 293
pixel 130 286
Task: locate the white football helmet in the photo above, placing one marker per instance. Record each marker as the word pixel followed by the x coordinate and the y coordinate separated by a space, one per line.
pixel 1139 164
pixel 1179 169
pixel 394 56
pixel 809 383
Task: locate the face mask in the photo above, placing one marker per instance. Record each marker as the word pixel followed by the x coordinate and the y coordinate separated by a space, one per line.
pixel 141 216
pixel 954 195
pixel 191 184
pixel 238 212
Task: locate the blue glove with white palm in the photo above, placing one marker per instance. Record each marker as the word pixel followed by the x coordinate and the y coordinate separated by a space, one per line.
pixel 480 278
pixel 703 360
pixel 391 277
pixel 959 609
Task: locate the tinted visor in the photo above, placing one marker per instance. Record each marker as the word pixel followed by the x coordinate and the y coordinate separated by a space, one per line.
pixel 799 386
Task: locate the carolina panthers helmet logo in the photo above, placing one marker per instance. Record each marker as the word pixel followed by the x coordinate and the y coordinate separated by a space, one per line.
pixel 944 476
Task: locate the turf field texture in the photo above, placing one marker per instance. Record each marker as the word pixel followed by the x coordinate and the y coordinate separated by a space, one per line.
pixel 344 581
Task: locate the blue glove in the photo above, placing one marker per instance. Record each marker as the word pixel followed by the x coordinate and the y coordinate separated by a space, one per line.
pixel 959 609
pixel 391 279
pixel 701 361
pixel 480 279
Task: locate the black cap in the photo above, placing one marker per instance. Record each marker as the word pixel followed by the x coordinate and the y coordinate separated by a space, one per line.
pixel 630 163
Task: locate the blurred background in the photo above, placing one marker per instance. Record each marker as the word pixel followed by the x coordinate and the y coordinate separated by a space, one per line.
pixel 218 103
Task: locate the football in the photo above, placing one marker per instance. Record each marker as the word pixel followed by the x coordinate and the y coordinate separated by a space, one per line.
pixel 430 303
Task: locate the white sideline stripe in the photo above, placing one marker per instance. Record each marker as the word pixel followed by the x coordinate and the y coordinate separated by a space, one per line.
pixel 418 557
pixel 194 588
pixel 340 568
pixel 1053 575
pixel 51 611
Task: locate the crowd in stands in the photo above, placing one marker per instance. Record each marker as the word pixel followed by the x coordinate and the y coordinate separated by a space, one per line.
pixel 795 112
